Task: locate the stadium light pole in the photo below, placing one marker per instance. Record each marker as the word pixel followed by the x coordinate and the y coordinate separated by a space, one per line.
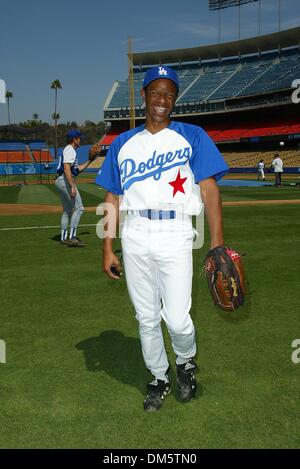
pixel 131 85
pixel 239 20
pixel 8 96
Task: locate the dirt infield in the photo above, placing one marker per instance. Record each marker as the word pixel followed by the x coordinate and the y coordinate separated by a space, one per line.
pixel 34 209
pixel 262 202
pixel 37 182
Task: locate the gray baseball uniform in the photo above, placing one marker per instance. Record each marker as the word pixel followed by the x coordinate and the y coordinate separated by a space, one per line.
pixel 72 206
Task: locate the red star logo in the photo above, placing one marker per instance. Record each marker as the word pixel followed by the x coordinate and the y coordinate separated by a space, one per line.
pixel 178 184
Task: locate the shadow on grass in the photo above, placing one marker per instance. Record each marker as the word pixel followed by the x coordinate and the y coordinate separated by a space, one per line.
pixel 118 356
pixel 57 237
pixel 121 358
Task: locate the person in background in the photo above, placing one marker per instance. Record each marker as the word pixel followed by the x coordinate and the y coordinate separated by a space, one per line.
pixel 68 169
pixel 277 164
pixel 260 170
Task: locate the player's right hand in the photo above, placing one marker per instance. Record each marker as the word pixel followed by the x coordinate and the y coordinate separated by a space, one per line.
pixel 111 265
pixel 73 191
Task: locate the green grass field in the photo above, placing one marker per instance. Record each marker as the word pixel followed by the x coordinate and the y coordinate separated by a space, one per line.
pixel 92 194
pixel 74 376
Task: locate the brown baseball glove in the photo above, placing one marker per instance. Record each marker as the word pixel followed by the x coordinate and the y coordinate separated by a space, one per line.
pixel 94 151
pixel 225 277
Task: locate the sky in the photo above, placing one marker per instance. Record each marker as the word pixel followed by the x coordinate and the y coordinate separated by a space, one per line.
pixel 84 45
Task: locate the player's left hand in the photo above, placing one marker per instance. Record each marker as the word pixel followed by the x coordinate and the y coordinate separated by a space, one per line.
pixel 225 277
pixel 94 151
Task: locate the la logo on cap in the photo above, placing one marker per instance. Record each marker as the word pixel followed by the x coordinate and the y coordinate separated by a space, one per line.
pixel 162 71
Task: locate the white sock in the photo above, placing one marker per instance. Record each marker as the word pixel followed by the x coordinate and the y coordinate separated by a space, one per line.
pixel 181 361
pixel 72 233
pixel 64 235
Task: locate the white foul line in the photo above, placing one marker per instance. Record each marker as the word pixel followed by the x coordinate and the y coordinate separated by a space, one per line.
pixel 40 227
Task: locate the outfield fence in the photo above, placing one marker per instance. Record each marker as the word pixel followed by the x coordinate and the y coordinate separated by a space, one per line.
pixel 26 167
pixel 44 172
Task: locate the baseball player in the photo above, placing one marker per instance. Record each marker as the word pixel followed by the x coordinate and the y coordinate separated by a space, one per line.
pixel 277 164
pixel 68 169
pixel 156 172
pixel 260 170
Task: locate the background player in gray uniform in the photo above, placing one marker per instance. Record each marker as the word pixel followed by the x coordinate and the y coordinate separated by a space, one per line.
pixel 160 168
pixel 68 169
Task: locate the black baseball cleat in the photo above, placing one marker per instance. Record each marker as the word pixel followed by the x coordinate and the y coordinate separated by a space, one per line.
pixel 158 390
pixel 186 382
pixel 66 242
pixel 76 242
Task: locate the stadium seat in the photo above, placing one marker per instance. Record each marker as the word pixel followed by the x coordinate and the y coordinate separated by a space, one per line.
pixel 15 157
pixel 219 80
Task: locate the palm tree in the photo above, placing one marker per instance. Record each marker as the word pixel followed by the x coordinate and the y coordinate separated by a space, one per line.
pixel 8 95
pixel 55 85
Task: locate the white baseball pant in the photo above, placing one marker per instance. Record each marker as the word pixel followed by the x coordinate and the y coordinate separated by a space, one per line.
pixel 158 265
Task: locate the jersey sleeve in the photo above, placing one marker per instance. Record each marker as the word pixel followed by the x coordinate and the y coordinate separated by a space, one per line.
pixel 108 176
pixel 69 155
pixel 206 160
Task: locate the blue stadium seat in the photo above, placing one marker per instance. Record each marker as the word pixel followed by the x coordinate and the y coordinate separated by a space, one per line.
pixel 38 145
pixel 214 80
pixel 12 146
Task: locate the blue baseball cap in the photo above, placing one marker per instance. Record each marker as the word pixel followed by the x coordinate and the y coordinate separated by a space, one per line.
pixel 161 71
pixel 73 133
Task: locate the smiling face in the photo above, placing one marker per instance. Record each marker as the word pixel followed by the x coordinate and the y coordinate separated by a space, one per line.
pixel 160 96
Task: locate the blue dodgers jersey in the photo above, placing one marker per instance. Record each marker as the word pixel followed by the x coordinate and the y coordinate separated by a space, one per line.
pixel 162 170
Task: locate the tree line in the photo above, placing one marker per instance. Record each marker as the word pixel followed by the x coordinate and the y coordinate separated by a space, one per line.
pixel 53 135
pixel 35 129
